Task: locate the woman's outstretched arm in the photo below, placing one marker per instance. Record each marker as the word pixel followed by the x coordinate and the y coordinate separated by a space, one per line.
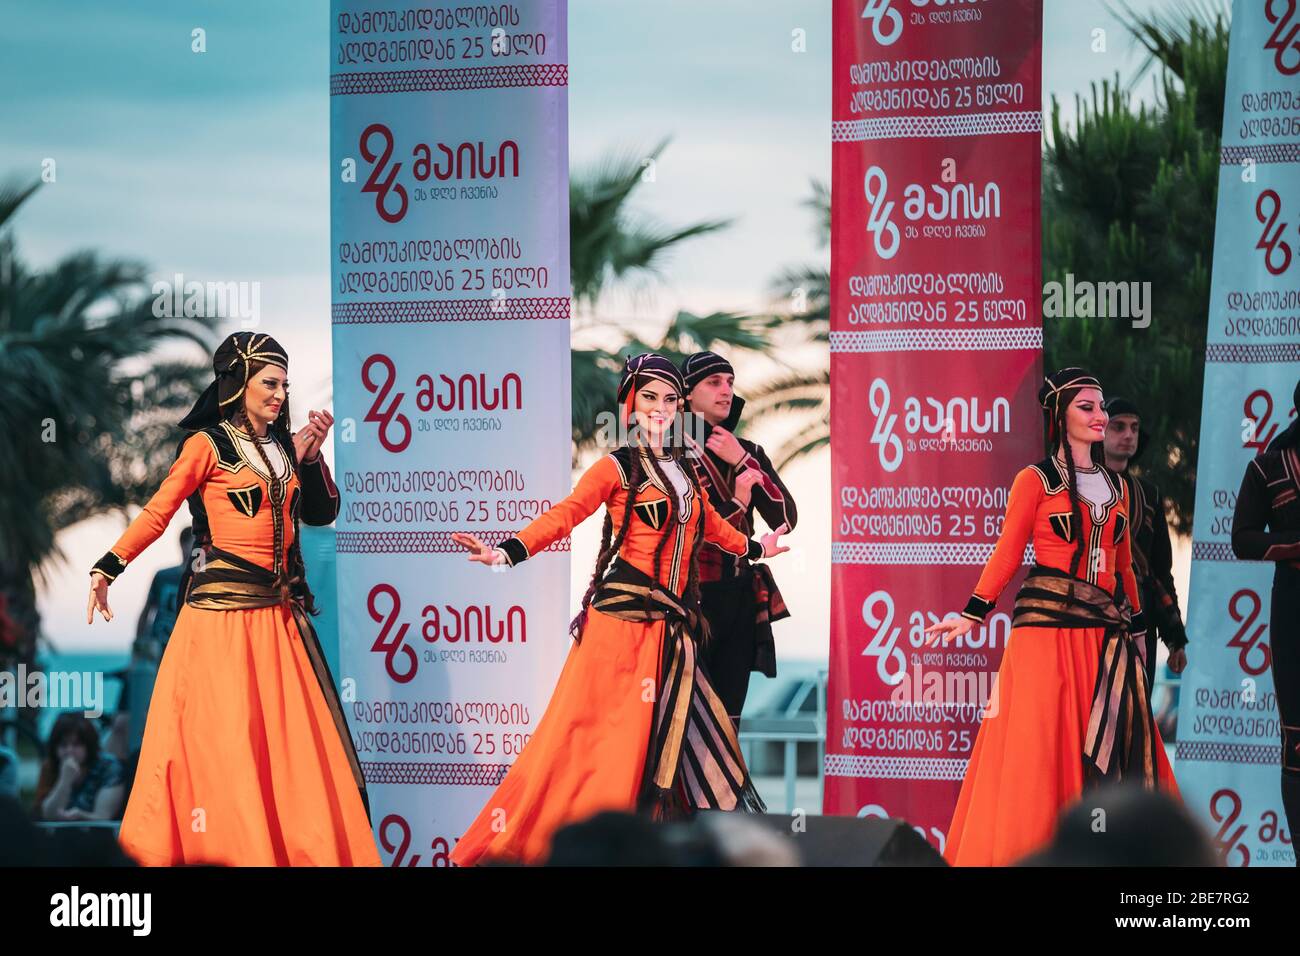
pixel 190 470
pixel 594 488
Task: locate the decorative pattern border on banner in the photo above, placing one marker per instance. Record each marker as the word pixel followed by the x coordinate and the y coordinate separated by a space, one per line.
pixel 451 310
pixel 1235 353
pixel 417 542
pixel 1219 551
pixel 936 340
pixel 1263 153
pixel 967 124
pixel 442 81
pixel 1237 753
pixel 916 552
pixel 895 768
pixel 434 774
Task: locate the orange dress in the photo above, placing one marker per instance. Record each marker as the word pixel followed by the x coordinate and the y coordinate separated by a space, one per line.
pixel 242 762
pixel 1028 761
pixel 588 752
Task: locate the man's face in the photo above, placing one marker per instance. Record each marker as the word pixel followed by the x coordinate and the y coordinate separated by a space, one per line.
pixel 711 397
pixel 1122 436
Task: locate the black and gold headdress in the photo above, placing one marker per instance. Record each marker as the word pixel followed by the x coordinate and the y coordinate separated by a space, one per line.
pixel 231 366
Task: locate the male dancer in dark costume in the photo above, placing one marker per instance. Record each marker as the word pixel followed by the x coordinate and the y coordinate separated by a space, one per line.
pixel 740 600
pixel 1266 527
pixel 1153 557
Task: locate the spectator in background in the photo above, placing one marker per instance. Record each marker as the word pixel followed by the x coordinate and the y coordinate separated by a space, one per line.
pixel 8 772
pixel 152 632
pixel 78 780
pixel 1127 826
pixel 161 607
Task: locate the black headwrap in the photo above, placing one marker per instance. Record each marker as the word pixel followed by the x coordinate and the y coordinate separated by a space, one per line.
pixel 648 366
pixel 1122 406
pixel 1290 437
pixel 231 365
pixel 1054 387
pixel 701 365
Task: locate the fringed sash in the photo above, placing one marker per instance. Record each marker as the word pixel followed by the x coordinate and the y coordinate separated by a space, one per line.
pixel 1121 740
pixel 693 761
pixel 771 607
pixel 227 582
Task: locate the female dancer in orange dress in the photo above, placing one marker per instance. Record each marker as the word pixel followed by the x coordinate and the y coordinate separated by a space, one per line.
pixel 634 723
pixel 246 758
pixel 1073 707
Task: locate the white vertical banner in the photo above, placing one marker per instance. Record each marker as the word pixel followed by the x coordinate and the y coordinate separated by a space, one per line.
pixel 450 264
pixel 1229 733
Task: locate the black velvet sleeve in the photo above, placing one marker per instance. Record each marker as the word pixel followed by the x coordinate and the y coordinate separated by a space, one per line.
pixel 320 498
pixel 977 608
pixel 771 497
pixel 515 551
pixel 110 566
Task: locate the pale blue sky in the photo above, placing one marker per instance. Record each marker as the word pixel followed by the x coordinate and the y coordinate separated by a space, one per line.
pixel 214 165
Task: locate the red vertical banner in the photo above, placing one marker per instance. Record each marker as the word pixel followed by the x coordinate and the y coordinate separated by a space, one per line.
pixel 936 345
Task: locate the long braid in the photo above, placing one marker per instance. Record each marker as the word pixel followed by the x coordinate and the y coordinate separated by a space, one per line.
pixel 292 567
pixel 669 524
pixel 693 576
pixel 1076 510
pixel 608 549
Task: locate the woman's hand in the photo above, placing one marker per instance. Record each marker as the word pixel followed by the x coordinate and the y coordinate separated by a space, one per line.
pixel 479 551
pixel 745 482
pixel 772 544
pixel 307 441
pixel 98 598
pixel 950 628
pixel 69 769
pixel 75 813
pixel 1178 660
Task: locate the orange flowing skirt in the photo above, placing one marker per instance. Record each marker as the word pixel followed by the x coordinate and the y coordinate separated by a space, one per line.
pixel 241 764
pixel 589 749
pixel 1027 765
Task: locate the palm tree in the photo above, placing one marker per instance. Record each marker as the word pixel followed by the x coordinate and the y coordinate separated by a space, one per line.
pixel 606 242
pixel 86 412
pixel 609 245
pixel 802 296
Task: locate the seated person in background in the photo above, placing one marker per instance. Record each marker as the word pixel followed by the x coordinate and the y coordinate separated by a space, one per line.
pixel 8 773
pixel 78 781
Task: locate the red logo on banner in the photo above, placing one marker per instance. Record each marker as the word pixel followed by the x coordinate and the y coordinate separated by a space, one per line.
pixel 1283 39
pixel 388 643
pixel 1277 254
pixel 1229 835
pixel 379 414
pixel 381 188
pixel 1246 640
